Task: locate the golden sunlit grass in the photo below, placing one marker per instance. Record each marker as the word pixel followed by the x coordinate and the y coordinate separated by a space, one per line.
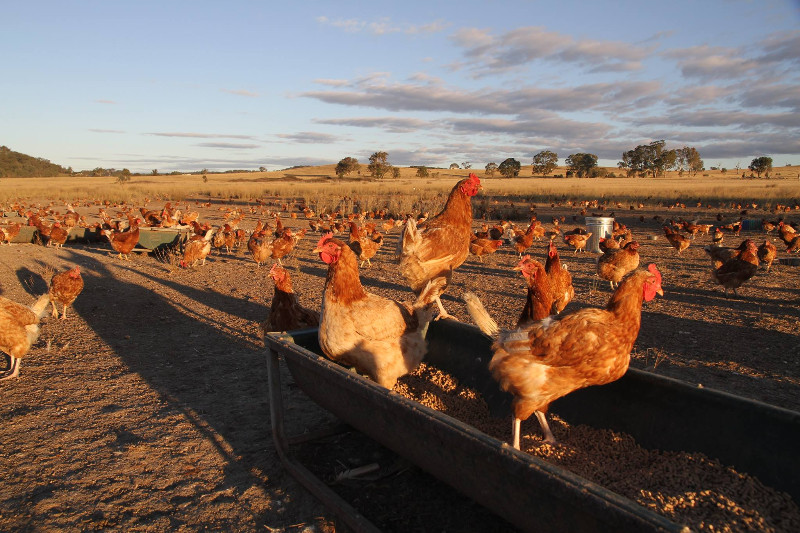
pixel 319 188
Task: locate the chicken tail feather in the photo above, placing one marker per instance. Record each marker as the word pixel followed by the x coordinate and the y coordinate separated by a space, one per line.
pixel 480 315
pixel 40 306
pixel 409 238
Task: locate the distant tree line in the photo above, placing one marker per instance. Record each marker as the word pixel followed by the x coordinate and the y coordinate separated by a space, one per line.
pixel 649 160
pixel 379 166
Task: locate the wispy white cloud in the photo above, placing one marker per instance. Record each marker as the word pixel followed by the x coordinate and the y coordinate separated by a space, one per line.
pixel 383 26
pixel 241 92
pixel 436 97
pixel 754 146
pixel 431 27
pixel 693 95
pixel 331 82
pixel 392 124
pixel 410 97
pixel 530 118
pixel 712 63
pixel 489 54
pixel 719 118
pixel 169 162
pixel 771 95
pixel 782 46
pixel 309 137
pixel 194 135
pixel 96 130
pixel 773 57
pixel 229 146
pixel 658 36
pixel 424 77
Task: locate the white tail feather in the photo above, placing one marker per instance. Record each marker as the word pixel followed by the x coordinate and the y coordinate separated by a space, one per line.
pixel 40 305
pixel 409 238
pixel 479 314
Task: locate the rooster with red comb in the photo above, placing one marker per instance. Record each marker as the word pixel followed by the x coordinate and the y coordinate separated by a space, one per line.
pixel 432 251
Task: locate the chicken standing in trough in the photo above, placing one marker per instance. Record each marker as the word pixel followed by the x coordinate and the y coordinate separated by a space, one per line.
pixel 543 361
pixel 381 338
pixel 431 252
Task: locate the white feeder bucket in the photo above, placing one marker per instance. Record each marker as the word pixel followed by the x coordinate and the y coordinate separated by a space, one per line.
pixel 598 227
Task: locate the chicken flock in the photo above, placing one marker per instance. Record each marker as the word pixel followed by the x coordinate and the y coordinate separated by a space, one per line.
pixel 550 352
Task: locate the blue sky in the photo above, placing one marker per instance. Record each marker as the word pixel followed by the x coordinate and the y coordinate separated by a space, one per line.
pixel 187 85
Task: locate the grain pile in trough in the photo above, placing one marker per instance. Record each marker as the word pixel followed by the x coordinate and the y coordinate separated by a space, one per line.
pixel 685 487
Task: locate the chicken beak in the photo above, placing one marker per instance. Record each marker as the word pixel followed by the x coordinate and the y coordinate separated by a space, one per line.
pixel 660 292
pixel 316 250
pixel 517 268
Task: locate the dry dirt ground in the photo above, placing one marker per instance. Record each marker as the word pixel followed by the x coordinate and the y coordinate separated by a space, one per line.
pixel 147 408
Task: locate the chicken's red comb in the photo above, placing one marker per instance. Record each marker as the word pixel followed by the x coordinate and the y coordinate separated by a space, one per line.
pixel 653 270
pixel 474 177
pixel 325 237
pixel 275 268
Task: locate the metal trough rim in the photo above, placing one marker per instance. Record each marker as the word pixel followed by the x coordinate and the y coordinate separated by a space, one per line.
pixel 580 505
pixel 330 499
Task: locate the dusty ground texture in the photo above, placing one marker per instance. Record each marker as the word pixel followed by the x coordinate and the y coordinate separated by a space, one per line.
pixel 147 408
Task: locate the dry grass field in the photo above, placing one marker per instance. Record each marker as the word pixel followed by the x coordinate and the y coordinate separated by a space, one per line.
pixel 317 185
pixel 147 410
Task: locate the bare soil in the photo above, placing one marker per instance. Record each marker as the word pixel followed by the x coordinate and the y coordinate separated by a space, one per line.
pixel 147 408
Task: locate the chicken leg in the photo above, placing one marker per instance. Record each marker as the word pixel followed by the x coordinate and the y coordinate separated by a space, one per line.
pixel 442 313
pixel 55 311
pixel 13 370
pixel 517 422
pixel 548 435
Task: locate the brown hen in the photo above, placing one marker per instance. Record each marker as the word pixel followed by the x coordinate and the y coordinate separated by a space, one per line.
pixel 65 288
pixel 124 242
pixel 560 280
pixel 543 361
pixel 286 313
pixel 381 338
pixel 434 250
pixel 19 329
pixel 613 265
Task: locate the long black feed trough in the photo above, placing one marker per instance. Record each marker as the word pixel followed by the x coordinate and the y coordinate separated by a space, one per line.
pixel 659 412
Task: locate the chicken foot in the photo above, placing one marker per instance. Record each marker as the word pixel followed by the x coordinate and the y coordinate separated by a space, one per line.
pixel 13 370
